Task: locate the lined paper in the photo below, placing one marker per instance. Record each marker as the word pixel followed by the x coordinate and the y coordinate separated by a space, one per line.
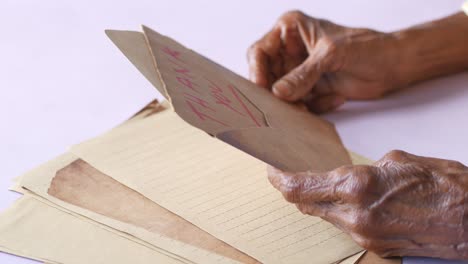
pixel 35 230
pixel 215 186
pixel 149 222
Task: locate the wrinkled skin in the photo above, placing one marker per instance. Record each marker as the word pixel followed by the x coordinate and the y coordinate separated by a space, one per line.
pixel 402 205
pixel 321 63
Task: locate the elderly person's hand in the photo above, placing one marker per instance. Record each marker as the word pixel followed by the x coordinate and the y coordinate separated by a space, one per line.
pixel 403 205
pixel 323 64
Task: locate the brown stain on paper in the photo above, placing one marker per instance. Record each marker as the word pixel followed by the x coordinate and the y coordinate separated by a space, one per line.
pixel 82 185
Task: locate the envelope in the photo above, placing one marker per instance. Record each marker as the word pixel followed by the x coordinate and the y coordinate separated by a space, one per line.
pixel 231 108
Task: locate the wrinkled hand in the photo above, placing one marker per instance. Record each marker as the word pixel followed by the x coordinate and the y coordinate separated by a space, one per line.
pixel 403 205
pixel 323 64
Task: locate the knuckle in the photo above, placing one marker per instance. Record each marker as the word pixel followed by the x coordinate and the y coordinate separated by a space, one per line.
pixel 304 209
pixel 292 15
pixel 289 195
pixel 343 171
pixel 301 208
pixel 253 50
pixel 364 179
pixel 360 180
pixel 329 45
pixel 331 53
pixel 456 165
pixel 396 155
pixel 290 192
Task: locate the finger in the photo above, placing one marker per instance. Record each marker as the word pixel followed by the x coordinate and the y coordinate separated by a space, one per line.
pixel 314 209
pixel 258 67
pixel 304 186
pixel 298 82
pixel 325 103
pixel 260 57
pixel 294 51
pixel 290 25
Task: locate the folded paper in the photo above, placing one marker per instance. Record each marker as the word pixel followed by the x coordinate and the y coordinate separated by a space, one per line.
pixel 35 230
pixel 73 184
pixel 231 108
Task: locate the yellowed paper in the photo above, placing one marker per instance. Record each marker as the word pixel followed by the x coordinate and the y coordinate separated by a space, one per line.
pixel 76 183
pixel 133 45
pixel 110 229
pixel 353 259
pixel 39 182
pixel 215 186
pixel 25 255
pixel 76 191
pixel 35 230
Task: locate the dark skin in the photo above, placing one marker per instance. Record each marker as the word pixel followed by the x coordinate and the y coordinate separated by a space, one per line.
pixel 402 205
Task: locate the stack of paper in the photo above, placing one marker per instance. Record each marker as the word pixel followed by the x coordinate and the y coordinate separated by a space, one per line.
pixel 164 187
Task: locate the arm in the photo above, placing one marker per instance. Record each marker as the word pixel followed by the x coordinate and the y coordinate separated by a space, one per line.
pixel 324 64
pixel 433 49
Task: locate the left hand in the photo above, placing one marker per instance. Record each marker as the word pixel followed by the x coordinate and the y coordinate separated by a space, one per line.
pixel 320 63
pixel 403 205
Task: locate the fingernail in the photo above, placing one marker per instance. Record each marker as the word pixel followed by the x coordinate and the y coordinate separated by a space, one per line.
pixel 338 101
pixel 282 89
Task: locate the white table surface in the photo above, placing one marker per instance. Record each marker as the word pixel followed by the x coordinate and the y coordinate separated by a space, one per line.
pixel 62 81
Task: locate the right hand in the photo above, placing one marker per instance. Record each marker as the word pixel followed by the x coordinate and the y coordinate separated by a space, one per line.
pixel 323 64
pixel 402 205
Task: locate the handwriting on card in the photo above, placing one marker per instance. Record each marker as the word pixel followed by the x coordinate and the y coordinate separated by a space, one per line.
pixel 210 98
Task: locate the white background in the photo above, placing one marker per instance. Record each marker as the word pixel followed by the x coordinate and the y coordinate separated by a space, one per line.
pixel 62 81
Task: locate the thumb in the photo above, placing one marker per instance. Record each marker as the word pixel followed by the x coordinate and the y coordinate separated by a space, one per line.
pixel 304 186
pixel 298 82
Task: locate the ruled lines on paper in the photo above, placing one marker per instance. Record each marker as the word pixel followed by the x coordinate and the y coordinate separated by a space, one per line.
pixel 215 186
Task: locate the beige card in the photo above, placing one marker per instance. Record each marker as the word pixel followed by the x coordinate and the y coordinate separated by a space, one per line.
pixel 106 201
pixel 133 45
pixel 229 107
pixel 33 229
pixel 215 186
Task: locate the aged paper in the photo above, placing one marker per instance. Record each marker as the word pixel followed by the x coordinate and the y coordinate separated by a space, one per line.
pixel 353 259
pixel 83 186
pixel 133 45
pixel 83 189
pixel 216 187
pixel 231 108
pixel 110 205
pixel 33 229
